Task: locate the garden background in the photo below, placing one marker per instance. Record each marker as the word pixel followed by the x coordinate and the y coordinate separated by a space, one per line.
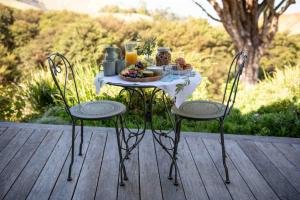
pixel 28 93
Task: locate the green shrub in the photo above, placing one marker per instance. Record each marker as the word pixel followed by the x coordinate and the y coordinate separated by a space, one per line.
pixel 28 37
pixel 41 94
pixel 12 102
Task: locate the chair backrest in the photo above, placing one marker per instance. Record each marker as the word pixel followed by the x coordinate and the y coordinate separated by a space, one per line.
pixel 62 70
pixel 235 70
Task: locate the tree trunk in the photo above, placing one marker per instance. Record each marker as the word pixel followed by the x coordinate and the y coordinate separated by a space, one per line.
pixel 250 73
pixel 241 21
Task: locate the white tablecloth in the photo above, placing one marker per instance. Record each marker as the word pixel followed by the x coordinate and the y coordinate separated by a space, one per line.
pixel 178 87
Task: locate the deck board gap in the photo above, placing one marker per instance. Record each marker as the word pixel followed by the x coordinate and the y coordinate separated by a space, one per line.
pixel 82 163
pixel 104 149
pixel 61 133
pixel 217 168
pixel 196 167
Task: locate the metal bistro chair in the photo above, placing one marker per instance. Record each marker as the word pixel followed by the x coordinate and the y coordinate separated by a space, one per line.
pixel 209 110
pixel 95 110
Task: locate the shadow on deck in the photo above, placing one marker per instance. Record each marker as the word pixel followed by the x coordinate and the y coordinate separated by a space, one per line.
pixel 34 160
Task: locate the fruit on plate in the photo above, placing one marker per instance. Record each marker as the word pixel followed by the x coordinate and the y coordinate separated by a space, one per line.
pixel 132 71
pixel 181 64
pixel 140 65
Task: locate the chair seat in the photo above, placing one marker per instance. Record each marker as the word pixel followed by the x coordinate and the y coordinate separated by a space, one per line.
pixel 202 110
pixel 97 109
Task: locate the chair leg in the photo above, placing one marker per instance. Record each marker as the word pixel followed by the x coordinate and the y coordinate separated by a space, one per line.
pixel 127 153
pixel 174 157
pixel 81 137
pixel 227 181
pixel 72 151
pixel 122 170
pixel 124 139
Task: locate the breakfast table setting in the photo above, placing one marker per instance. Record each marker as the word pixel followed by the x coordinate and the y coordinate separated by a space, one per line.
pixel 170 75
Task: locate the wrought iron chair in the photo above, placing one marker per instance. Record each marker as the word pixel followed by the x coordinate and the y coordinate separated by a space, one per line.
pixel 95 110
pixel 209 110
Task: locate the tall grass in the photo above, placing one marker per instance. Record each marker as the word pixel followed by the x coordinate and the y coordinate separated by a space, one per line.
pixel 84 74
pixel 283 86
pixel 272 107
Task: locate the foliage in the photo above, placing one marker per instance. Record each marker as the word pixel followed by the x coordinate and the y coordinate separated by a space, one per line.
pixel 41 93
pixel 12 102
pixel 6 19
pixel 146 47
pixel 284 51
pixel 284 86
pixel 116 9
pixel 28 37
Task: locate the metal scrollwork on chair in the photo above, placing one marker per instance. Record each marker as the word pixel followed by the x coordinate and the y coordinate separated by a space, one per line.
pixel 95 110
pixel 209 110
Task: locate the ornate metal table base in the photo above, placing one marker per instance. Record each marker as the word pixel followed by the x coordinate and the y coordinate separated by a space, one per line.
pixel 128 140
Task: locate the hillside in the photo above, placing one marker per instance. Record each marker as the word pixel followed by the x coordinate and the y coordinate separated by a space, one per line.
pixel 290 23
pixel 19 5
pixel 287 23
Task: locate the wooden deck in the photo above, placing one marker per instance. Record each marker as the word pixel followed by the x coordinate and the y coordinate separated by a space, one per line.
pixel 34 160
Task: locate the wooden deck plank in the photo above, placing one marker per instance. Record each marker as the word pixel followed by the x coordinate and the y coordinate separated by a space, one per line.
pixel 16 165
pixel 297 147
pixel 108 181
pixel 272 175
pixel 87 182
pixel 47 179
pixel 8 135
pixel 2 129
pixel 64 189
pixel 131 189
pixel 290 153
pixel 190 178
pixel 170 192
pixel 251 175
pixel 286 140
pixel 258 167
pixel 149 177
pixel 13 147
pixel 282 163
pixel 212 180
pixel 238 188
pixel 23 184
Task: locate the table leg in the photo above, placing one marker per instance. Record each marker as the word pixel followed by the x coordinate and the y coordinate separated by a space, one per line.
pixel 168 140
pixel 133 137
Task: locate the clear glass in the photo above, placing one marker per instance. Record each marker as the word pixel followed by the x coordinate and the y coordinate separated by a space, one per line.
pixel 130 53
pixel 177 54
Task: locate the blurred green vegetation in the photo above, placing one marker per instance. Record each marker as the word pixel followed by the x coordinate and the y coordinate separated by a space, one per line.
pixel 28 93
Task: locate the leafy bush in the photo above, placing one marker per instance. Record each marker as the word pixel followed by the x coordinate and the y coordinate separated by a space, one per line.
pixel 28 37
pixel 12 102
pixel 41 94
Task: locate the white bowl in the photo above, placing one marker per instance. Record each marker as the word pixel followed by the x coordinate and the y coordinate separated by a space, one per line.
pixel 155 69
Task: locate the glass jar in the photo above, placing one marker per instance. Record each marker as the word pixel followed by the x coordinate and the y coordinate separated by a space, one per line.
pixel 163 56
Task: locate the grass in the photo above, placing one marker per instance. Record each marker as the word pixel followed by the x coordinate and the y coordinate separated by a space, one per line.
pixel 272 107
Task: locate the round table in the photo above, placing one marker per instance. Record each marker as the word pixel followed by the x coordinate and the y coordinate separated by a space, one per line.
pixel 178 87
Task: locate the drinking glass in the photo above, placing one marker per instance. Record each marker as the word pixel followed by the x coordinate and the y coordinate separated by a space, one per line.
pixel 177 54
pixel 130 53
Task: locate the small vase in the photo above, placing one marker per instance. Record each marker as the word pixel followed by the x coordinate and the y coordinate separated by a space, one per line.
pixel 149 60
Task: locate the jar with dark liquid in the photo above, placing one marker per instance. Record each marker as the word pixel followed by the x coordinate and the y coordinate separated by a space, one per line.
pixel 163 56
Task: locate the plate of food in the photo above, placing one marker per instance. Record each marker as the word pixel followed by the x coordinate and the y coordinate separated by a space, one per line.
pixel 180 67
pixel 137 73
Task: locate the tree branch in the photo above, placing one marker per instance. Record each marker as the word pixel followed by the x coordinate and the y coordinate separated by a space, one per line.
pixel 216 6
pixel 283 8
pixel 280 4
pixel 203 9
pixel 261 8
